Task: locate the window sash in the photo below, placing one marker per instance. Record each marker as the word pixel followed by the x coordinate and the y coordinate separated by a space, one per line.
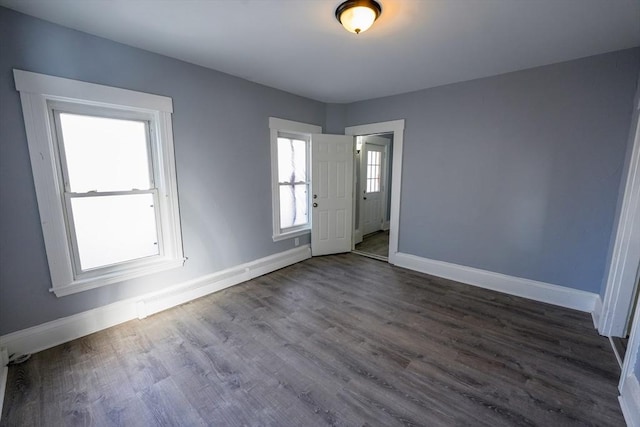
pixel 307 182
pixel 308 221
pixel 55 109
pixel 119 266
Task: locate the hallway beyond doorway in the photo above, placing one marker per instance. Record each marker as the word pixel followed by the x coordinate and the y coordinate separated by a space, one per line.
pixel 375 245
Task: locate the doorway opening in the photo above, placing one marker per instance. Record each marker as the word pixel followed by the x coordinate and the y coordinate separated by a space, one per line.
pixel 374 245
pixel 391 136
pixel 372 188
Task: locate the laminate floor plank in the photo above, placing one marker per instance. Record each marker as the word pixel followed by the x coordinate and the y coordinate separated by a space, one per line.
pixel 290 368
pixel 288 382
pixel 335 340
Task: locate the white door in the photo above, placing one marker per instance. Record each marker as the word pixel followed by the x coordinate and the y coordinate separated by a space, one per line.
pixel 373 202
pixel 331 189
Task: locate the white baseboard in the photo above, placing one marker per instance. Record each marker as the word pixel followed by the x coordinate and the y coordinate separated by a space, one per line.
pixel 630 401
pixel 538 291
pixel 597 312
pixel 50 334
pixel 4 373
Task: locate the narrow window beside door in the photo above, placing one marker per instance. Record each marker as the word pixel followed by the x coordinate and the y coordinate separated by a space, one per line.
pixel 290 157
pixel 293 182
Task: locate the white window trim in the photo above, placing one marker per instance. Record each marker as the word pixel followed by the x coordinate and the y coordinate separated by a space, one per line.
pixel 36 92
pixel 277 125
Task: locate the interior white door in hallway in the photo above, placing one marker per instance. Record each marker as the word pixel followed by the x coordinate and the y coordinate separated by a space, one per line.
pixel 373 178
pixel 332 196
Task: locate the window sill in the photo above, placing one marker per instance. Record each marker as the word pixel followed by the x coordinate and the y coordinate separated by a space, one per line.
pixel 291 234
pixel 116 277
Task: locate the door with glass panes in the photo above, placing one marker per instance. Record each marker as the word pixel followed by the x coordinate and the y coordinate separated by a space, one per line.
pixel 373 188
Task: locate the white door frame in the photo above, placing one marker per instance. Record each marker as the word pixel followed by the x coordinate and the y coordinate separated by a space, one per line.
pixel 397 128
pixel 621 281
pixel 618 299
pixel 628 386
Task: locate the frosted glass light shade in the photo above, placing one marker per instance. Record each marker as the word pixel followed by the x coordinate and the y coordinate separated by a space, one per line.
pixel 357 16
pixel 357 19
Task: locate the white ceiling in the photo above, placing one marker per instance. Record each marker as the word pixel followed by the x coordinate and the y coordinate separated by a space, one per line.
pixel 298 45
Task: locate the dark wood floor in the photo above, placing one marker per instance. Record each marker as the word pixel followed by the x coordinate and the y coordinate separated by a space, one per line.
pixel 337 340
pixel 375 243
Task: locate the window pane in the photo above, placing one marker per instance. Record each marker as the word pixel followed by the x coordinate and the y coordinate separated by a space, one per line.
pixel 113 229
pixel 105 154
pixel 292 160
pixel 293 205
pixel 374 167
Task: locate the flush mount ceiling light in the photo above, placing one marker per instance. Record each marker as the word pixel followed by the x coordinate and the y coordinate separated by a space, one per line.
pixel 357 16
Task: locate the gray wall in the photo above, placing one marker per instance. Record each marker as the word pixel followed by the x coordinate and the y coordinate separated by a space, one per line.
pixel 335 118
pixel 517 173
pixel 221 135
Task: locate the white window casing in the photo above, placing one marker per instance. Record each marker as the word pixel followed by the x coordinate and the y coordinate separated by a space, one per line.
pixel 289 129
pixel 40 96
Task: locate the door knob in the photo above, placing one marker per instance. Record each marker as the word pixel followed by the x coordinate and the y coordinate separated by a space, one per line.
pixel 315 205
pixel 364 198
pixel 315 196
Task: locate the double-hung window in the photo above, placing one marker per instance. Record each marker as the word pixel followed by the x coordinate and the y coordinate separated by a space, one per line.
pixel 103 165
pixel 291 176
pixel 110 199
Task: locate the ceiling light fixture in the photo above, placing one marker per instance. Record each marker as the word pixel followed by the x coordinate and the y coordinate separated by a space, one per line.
pixel 357 16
